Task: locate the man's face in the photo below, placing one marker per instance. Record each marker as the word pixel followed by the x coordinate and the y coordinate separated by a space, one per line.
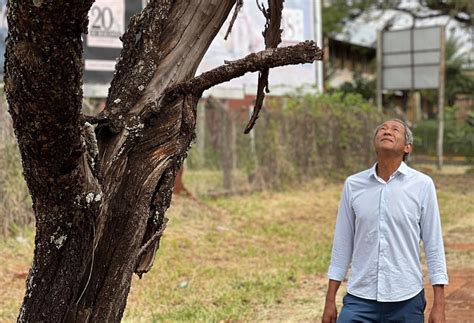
pixel 390 137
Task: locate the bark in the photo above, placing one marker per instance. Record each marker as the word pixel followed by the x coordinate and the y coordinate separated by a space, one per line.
pixel 43 86
pixel 100 189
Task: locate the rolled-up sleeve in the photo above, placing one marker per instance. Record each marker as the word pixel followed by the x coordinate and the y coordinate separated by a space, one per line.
pixel 343 237
pixel 431 235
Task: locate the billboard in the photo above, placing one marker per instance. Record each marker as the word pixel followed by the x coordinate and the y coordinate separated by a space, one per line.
pixel 246 37
pixel 108 20
pixel 411 58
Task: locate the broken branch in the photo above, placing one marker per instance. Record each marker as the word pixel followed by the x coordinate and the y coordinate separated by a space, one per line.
pixel 304 52
pixel 238 6
pixel 153 238
pixel 272 36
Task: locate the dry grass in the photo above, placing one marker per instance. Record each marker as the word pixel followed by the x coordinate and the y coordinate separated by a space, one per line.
pixel 260 257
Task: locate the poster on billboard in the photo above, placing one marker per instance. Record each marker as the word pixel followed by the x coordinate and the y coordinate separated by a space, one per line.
pixel 108 20
pixel 106 24
pixel 246 37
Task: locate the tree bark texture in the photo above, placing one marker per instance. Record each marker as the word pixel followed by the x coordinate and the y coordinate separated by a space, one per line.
pixel 101 185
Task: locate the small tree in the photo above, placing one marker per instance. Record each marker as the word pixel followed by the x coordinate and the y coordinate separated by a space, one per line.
pixel 101 185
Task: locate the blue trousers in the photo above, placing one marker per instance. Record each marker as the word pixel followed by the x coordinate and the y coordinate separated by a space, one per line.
pixel 356 309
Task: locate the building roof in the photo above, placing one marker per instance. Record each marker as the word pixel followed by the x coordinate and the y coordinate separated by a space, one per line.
pixel 363 30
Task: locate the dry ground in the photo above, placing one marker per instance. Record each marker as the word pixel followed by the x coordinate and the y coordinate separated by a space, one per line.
pixel 305 302
pixel 260 257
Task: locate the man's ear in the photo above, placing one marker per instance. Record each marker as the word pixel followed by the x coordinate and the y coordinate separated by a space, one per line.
pixel 408 148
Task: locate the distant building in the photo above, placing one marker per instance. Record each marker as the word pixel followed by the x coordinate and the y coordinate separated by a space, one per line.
pixel 343 59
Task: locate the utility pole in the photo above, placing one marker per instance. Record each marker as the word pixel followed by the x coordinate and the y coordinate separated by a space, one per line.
pixel 442 67
pixel 318 31
pixel 379 71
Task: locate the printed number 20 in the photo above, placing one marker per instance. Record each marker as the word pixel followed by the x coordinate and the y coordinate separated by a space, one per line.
pixel 102 17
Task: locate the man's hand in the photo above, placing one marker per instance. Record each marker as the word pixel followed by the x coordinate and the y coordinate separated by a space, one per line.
pixel 437 314
pixel 330 312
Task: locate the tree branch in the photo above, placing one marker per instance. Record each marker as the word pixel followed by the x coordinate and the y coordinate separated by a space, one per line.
pixel 272 36
pixel 238 6
pixel 445 11
pixel 153 238
pixel 415 16
pixel 139 57
pixel 304 52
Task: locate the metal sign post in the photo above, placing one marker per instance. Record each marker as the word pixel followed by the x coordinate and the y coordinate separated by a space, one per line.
pixel 442 68
pixel 379 72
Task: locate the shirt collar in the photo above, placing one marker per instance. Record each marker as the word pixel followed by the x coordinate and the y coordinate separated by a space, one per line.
pixel 403 169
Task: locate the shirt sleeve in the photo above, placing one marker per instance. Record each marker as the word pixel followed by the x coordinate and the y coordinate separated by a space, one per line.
pixel 431 235
pixel 343 237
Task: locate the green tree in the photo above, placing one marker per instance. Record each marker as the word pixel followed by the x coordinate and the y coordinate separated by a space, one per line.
pixel 457 81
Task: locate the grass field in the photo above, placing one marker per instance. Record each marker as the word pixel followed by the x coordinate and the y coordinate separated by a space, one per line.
pixel 258 257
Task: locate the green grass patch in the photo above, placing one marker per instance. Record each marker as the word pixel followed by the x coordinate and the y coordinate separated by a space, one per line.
pixel 257 257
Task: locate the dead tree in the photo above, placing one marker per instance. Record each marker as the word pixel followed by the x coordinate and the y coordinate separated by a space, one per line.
pixel 101 185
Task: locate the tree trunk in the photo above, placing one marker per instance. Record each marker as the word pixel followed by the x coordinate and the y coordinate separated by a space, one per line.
pixel 100 188
pixel 78 216
pixel 43 86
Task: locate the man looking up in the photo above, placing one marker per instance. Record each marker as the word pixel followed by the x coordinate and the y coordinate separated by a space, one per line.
pixel 384 214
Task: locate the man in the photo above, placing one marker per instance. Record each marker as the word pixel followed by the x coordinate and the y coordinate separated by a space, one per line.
pixel 384 214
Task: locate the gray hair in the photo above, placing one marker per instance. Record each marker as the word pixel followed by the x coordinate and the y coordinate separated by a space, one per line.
pixel 408 135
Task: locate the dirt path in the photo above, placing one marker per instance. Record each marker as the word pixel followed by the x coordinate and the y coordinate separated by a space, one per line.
pixel 305 303
pixel 460 291
pixel 459 296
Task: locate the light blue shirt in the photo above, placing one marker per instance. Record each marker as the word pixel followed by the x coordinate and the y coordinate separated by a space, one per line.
pixel 379 228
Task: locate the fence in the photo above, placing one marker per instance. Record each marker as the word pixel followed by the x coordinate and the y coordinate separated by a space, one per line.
pixel 15 202
pixel 295 139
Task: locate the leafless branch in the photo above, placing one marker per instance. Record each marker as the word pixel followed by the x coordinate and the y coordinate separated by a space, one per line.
pixel 304 52
pixel 445 11
pixel 261 7
pixel 238 6
pixel 153 238
pixel 272 36
pixel 416 16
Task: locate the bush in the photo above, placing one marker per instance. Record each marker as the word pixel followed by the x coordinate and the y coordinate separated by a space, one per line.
pixel 319 135
pixel 299 137
pixel 15 201
pixel 458 136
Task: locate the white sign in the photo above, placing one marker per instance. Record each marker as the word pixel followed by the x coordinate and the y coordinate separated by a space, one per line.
pixel 292 23
pixel 411 58
pixel 101 65
pixel 106 23
pixel 246 37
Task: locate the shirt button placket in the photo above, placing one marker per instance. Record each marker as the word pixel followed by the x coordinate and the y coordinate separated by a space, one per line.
pixel 382 241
